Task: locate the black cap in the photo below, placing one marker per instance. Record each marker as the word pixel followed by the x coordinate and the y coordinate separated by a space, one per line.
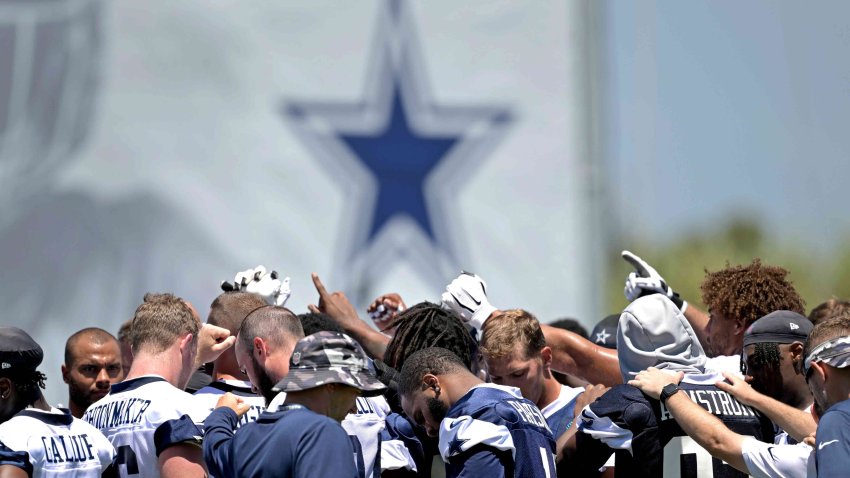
pixel 780 327
pixel 605 332
pixel 18 351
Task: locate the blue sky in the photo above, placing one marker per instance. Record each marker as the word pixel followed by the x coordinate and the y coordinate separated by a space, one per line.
pixel 713 109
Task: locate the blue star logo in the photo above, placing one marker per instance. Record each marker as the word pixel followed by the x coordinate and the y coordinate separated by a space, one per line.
pixel 456 446
pixel 400 158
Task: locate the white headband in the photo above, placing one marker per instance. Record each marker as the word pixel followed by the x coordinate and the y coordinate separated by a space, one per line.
pixel 835 352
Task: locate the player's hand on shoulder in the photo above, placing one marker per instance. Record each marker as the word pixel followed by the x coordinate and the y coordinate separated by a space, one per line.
pixel 652 380
pixel 231 401
pixel 738 388
pixel 589 395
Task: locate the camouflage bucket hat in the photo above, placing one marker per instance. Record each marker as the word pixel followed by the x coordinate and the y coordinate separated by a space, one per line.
pixel 329 357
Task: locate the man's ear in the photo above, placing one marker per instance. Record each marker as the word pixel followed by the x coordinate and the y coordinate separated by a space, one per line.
pixel 819 369
pixel 5 388
pixel 430 381
pixel 796 350
pixel 186 342
pixel 260 347
pixel 740 326
pixel 546 355
pixel 65 373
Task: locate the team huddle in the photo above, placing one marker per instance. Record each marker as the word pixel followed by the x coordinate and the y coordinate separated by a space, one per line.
pixel 456 389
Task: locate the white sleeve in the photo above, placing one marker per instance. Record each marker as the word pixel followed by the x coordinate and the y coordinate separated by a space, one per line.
pixel 766 460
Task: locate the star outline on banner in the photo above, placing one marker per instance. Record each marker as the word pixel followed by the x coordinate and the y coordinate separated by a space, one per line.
pixel 443 146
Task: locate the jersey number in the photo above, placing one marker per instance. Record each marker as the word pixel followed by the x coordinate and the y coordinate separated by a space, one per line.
pixel 126 456
pixel 684 458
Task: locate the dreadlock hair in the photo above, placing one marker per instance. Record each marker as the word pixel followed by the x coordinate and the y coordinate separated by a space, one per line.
pixel 749 292
pixel 428 325
pixel 27 383
pixel 765 354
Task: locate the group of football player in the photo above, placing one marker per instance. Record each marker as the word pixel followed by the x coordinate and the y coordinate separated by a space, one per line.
pixel 457 389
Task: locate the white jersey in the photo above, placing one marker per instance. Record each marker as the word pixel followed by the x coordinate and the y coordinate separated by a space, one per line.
pixel 724 363
pixel 207 398
pixel 142 417
pixel 54 444
pixel 778 461
pixel 364 429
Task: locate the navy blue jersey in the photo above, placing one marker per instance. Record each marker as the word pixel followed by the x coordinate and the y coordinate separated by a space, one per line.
pixel 292 442
pixel 407 446
pixel 647 439
pixel 492 431
pixel 833 441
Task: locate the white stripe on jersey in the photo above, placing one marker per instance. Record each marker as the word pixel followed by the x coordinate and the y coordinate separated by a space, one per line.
pixel 130 414
pixel 58 444
pixel 565 397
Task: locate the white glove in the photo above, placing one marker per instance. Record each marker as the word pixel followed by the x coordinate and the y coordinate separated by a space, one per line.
pixel 466 296
pixel 265 284
pixel 646 280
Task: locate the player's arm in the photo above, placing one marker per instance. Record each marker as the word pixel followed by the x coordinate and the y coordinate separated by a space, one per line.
pixel 338 307
pixel 797 423
pixel 575 355
pixel 12 471
pixel 566 443
pixel 706 429
pixel 14 464
pixel 182 461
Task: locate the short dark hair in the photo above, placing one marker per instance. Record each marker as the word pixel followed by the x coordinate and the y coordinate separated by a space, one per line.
pixel 428 325
pixel 572 325
pixel 433 360
pixel 93 334
pixel 229 309
pixel 272 323
pixel 313 322
pixel 831 308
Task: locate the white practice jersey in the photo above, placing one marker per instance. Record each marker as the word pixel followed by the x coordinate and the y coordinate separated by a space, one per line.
pixel 54 444
pixel 142 417
pixel 778 461
pixel 208 396
pixel 364 429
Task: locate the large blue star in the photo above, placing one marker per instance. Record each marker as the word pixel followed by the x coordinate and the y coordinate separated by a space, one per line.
pixel 400 159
